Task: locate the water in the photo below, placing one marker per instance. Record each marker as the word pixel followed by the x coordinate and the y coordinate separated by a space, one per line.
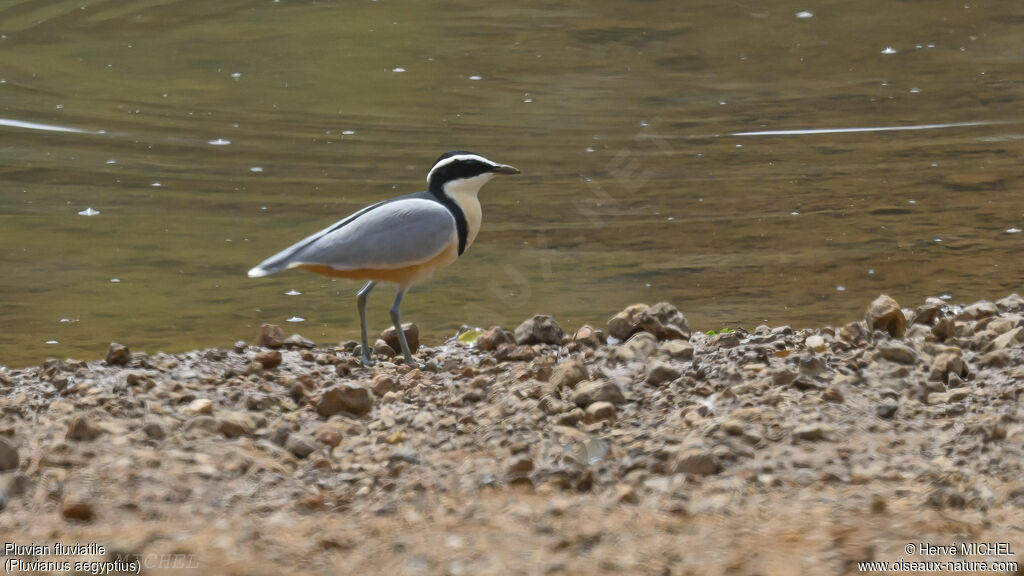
pixel 743 161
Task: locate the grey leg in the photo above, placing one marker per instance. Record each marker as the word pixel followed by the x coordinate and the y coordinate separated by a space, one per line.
pixel 396 318
pixel 361 302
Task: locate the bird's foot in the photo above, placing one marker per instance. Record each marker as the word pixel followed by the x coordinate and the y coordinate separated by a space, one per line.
pixel 412 363
pixel 368 362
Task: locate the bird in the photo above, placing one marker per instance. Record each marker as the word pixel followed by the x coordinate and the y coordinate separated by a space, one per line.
pixel 400 241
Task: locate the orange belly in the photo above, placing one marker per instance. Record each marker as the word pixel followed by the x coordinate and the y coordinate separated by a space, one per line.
pixel 403 276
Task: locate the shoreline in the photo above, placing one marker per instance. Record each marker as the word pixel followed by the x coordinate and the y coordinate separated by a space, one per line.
pixel 662 452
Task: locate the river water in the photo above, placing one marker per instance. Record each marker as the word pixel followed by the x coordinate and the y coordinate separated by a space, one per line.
pixel 748 161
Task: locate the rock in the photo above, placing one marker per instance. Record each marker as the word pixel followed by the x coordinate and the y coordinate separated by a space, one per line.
pixel 641 345
pixel 518 467
pixel 832 394
pixel 383 383
pixel 591 391
pixel 8 455
pixel 599 411
pixel 588 336
pixel 344 397
pixel 269 359
pixel 697 461
pixel 404 454
pixel 301 445
pixel 200 406
pixel 271 336
pixel 946 364
pixel 815 343
pixel 1012 303
pixel 541 329
pixel 885 314
pixel 897 352
pixel 626 493
pixel 977 311
pixel 83 429
pixel 1007 339
pixel 952 395
pixel 677 350
pixel 329 433
pixel 568 374
pixel 494 337
pixel 298 341
pixel 381 349
pixel 118 354
pixel 202 422
pixel 995 359
pixel 887 409
pixel 665 322
pixel 570 418
pixel 153 428
pixel 927 313
pixel 626 323
pixel 234 424
pixel 659 373
pixel 810 432
pixel 77 507
pixel 412 337
pixel 944 328
pixel 514 353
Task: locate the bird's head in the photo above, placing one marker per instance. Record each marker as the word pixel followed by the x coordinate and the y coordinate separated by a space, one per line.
pixel 459 170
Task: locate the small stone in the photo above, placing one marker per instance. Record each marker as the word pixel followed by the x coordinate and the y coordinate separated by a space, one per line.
pixel 815 343
pixel 885 314
pixel 299 341
pixel 568 374
pixel 83 429
pixel 641 345
pixel 897 352
pixel 1007 339
pixel 810 432
pixel 200 406
pixel 154 429
pixel 118 354
pixel 301 445
pixel 514 353
pixel 519 467
pixel 8 455
pixel 344 397
pixel 677 350
pixel 329 433
pixel 599 411
pixel 952 395
pixel 626 323
pixel 383 383
pixel 404 454
pixel 271 336
pixel 887 409
pixel 494 337
pixel 234 424
pixel 659 373
pixel 697 461
pixel 269 359
pixel 381 349
pixel 626 493
pixel 77 507
pixel 588 336
pixel 944 329
pixel 412 337
pixel 541 329
pixel 926 313
pixel 570 418
pixel 832 394
pixel 591 391
pixel 665 322
pixel 946 364
pixel 1012 303
pixel 977 311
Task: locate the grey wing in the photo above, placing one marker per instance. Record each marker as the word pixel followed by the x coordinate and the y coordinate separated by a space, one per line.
pixel 384 236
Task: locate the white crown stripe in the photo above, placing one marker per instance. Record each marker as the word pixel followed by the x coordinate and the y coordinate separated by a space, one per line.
pixel 459 158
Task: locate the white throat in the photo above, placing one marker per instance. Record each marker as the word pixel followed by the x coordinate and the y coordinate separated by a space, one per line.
pixel 464 192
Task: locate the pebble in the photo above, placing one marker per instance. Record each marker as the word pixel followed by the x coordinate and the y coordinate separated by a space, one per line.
pixel 329 433
pixel 118 354
pixel 810 432
pixel 677 350
pixel 568 374
pixel 887 409
pixel 600 411
pixel 153 428
pixel 234 424
pixel 383 350
pixel 412 337
pixel 659 373
pixel 269 359
pixel 344 397
pixel 885 314
pixel 815 343
pixel 588 336
pixel 541 329
pixel 494 337
pixel 83 429
pixel 697 461
pixel 200 406
pixel 897 352
pixel 590 391
pixel 301 445
pixel 271 336
pixel 78 508
pixel 8 455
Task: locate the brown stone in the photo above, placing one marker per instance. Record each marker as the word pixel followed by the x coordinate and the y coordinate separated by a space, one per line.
pixel 412 337
pixel 494 337
pixel 271 336
pixel 885 314
pixel 344 397
pixel 269 359
pixel 541 329
pixel 118 354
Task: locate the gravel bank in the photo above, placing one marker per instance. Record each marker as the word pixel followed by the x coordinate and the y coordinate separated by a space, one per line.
pixel 654 451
